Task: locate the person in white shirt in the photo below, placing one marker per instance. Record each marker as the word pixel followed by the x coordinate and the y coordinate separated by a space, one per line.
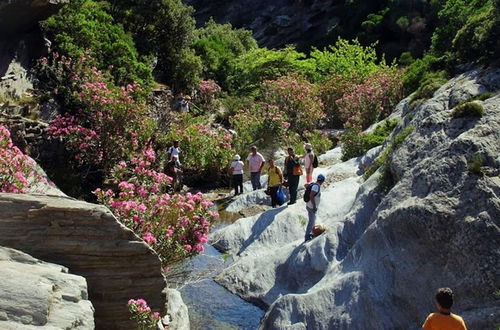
pixel 312 205
pixel 236 170
pixel 255 162
pixel 174 150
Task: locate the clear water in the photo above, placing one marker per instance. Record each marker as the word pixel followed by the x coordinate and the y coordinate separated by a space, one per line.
pixel 212 307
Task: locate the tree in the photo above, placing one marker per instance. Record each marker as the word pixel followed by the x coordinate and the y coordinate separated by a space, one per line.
pixel 165 29
pixel 84 27
pixel 218 45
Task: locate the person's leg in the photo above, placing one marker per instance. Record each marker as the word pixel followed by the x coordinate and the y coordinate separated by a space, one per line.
pixel 252 179
pixel 294 184
pixel 274 198
pixel 312 219
pixel 235 184
pixel 257 180
pixel 239 182
pixel 309 175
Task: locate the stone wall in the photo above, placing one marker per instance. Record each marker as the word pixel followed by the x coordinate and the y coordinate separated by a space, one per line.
pixel 88 240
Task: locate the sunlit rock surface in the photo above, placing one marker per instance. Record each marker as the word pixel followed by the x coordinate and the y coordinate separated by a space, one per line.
pixel 88 240
pixel 39 295
pixel 384 254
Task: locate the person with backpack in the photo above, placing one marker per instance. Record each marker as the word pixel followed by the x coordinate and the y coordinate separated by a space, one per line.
pixel 312 197
pixel 174 150
pixel 310 162
pixel 292 171
pixel 274 181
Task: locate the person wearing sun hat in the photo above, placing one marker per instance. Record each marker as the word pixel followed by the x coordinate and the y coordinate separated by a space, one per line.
pixel 312 205
pixel 236 170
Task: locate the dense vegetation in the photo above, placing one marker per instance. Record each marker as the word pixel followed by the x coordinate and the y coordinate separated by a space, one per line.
pixel 110 54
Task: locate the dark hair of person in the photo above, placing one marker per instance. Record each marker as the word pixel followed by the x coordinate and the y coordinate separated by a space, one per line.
pixel 444 296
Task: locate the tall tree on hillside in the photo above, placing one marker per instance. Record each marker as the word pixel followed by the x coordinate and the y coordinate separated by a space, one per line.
pixel 165 29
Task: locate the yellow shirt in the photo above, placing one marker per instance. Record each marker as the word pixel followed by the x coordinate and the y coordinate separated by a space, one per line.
pixel 438 321
pixel 274 176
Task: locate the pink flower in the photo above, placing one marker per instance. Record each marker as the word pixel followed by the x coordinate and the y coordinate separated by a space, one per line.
pixel 149 238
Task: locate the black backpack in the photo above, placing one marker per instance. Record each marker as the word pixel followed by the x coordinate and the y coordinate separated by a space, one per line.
pixel 307 193
pixel 315 161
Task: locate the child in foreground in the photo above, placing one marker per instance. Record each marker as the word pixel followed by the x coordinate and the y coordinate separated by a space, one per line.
pixel 445 319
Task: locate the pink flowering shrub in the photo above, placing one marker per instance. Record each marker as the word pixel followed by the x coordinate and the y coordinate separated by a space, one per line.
pixel 297 98
pixel 206 149
pixel 359 101
pixel 109 122
pixel 260 123
pixel 206 95
pixel 17 171
pixel 141 313
pixel 175 226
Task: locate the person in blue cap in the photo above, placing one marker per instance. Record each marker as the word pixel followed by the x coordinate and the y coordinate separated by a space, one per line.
pixel 312 204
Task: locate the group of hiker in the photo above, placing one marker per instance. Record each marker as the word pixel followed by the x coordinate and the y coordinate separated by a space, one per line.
pixel 289 177
pixel 278 179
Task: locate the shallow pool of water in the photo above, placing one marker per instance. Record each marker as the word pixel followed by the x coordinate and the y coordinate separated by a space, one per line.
pixel 210 305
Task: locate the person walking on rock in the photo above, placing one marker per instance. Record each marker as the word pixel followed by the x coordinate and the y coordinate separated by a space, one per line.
pixel 308 162
pixel 293 171
pixel 236 170
pixel 445 319
pixel 312 205
pixel 274 181
pixel 255 162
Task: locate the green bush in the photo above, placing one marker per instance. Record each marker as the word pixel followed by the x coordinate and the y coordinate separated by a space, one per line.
pixel 476 164
pixel 83 27
pixel 218 45
pixel 430 83
pixel 357 144
pixel 383 159
pixel 260 64
pixel 163 29
pixel 417 71
pixel 479 38
pixel 468 109
pixel 345 58
pixel 481 97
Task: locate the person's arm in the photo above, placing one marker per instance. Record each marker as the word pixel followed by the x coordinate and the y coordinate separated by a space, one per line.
pixel 312 199
pixel 262 164
pixel 427 324
pixel 311 160
pixel 279 174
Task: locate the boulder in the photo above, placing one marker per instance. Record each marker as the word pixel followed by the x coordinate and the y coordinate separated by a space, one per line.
pixel 88 240
pixel 384 254
pixel 39 295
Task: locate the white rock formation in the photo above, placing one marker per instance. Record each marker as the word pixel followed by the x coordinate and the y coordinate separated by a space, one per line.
pixel 384 254
pixel 45 295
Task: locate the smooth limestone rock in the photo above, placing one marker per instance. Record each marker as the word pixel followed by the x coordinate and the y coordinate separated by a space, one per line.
pixel 383 255
pixel 88 240
pixel 39 295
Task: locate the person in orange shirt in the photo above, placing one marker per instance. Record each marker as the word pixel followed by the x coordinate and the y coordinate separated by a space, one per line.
pixel 445 319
